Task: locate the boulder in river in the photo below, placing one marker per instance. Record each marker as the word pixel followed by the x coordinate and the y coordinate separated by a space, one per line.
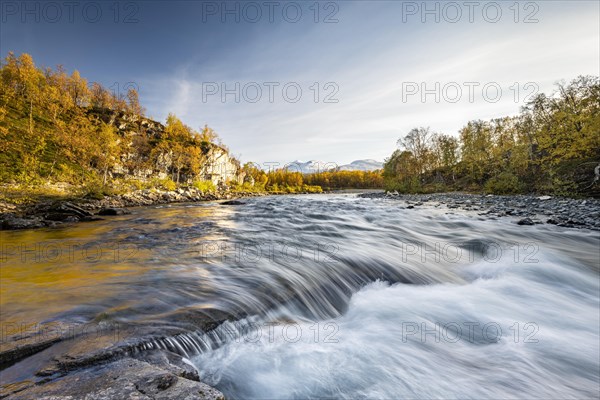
pixel 232 203
pixel 92 219
pixel 113 211
pixel 525 221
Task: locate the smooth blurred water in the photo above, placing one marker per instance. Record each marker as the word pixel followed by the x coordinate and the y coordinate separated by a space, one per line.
pixel 511 331
pixel 333 296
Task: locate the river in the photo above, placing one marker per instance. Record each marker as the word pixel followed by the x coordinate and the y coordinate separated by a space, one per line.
pixel 328 296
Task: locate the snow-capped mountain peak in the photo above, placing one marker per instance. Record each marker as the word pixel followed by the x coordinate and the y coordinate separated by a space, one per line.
pixel 362 165
pixel 312 166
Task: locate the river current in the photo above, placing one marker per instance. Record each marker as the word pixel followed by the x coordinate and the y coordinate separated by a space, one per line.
pixel 329 296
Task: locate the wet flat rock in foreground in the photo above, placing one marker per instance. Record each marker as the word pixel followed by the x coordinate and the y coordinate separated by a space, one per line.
pixel 123 379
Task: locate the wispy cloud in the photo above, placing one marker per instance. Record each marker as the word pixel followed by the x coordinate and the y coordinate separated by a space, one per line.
pixel 370 66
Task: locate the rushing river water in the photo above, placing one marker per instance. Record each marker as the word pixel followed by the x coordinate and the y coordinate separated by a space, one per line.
pixel 329 296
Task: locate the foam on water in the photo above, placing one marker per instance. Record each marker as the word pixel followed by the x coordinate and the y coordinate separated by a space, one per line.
pixel 514 330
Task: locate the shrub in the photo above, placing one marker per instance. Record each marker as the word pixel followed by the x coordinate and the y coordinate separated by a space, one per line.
pixel 204 186
pixel 248 187
pixel 312 189
pixel 93 191
pixel 165 184
pixel 504 183
pixel 135 184
pixel 404 185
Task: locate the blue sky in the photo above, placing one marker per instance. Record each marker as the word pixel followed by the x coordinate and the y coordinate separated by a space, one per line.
pixel 361 66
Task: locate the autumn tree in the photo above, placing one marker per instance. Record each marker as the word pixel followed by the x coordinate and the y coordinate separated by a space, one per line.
pixel 107 150
pixel 445 150
pixel 418 142
pixel 476 143
pixel 208 135
pixel 78 88
pixel 133 102
pixel 100 97
pixel 568 121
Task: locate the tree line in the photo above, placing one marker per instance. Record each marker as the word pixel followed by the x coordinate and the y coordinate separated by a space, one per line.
pixel 56 127
pixel 291 181
pixel 551 146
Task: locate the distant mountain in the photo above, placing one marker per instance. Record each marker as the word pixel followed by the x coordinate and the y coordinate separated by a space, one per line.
pixel 362 165
pixel 312 166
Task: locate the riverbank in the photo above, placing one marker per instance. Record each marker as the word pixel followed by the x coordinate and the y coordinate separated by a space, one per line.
pixel 54 212
pixel 526 210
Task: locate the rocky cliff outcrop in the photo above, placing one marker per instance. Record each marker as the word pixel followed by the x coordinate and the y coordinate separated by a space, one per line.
pixel 144 160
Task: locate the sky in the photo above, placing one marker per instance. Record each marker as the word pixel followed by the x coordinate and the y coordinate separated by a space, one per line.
pixel 334 81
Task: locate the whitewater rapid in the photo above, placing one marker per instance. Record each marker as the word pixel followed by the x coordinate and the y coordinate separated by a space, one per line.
pixel 513 331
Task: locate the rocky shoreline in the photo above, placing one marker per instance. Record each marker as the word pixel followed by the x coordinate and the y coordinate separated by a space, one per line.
pixel 524 209
pixel 53 213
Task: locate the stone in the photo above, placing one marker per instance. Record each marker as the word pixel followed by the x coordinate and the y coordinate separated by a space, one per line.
pixel 571 213
pixel 232 203
pixel 126 378
pixel 525 221
pixel 69 208
pixel 14 223
pixel 20 345
pixel 57 216
pixel 123 379
pixel 544 197
pixel 113 211
pixel 7 207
